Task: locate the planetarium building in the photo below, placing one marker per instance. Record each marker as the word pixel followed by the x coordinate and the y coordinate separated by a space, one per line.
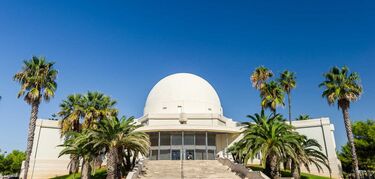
pixel 185 121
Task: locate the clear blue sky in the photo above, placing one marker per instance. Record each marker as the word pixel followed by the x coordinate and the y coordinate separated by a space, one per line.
pixel 123 49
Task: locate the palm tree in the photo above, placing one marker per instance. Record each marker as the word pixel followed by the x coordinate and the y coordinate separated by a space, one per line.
pixel 79 144
pixel 117 135
pixel 303 117
pixel 272 138
pixel 342 87
pixel 238 152
pixel 287 81
pixel 311 154
pixel 259 76
pixel 272 95
pixel 71 112
pixel 97 106
pixel 38 82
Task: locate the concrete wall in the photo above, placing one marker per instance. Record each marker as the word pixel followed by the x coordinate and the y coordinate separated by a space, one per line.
pixel 44 162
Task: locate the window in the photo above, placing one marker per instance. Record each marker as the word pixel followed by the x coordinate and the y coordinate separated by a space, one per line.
pixel 165 138
pixel 211 154
pixel 200 154
pixel 165 155
pixel 154 154
pixel 211 139
pixel 188 139
pixel 154 138
pixel 176 139
pixel 200 138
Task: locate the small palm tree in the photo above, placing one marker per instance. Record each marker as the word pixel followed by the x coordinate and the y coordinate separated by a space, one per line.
pixel 79 144
pixel 271 137
pixel 259 76
pixel 116 136
pixel 287 81
pixel 272 95
pixel 342 87
pixel 303 117
pixel 38 82
pixel 238 152
pixel 310 155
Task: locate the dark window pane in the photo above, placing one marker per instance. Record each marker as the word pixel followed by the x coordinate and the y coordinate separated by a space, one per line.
pixel 200 154
pixel 165 155
pixel 200 139
pixel 165 138
pixel 154 138
pixel 189 139
pixel 154 154
pixel 177 139
pixel 211 139
pixel 211 155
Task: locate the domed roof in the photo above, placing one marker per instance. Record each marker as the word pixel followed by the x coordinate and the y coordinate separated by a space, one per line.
pixel 182 93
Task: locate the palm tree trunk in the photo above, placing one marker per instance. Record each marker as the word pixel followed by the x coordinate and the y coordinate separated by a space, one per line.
pixel 290 108
pixel 349 133
pixel 272 167
pixel 30 137
pixel 74 165
pixel 112 164
pixel 295 170
pixel 86 169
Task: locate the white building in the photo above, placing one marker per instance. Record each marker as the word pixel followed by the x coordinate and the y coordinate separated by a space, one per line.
pixel 184 118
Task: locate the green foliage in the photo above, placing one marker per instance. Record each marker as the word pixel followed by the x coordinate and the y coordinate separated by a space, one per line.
pixel 287 173
pixel 99 174
pixel 287 81
pixel 364 140
pixel 259 76
pixel 11 163
pixel 272 95
pixel 303 117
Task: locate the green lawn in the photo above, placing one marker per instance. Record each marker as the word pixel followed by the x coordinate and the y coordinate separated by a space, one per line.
pixel 286 173
pixel 99 174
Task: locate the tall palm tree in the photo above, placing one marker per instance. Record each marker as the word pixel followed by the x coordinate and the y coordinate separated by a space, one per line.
pixel 287 81
pixel 303 117
pixel 38 82
pixel 271 137
pixel 259 76
pixel 79 144
pixel 71 112
pixel 115 135
pixel 310 155
pixel 342 87
pixel 272 95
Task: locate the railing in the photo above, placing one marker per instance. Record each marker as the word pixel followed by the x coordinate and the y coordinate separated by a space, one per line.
pixel 242 170
pixel 136 170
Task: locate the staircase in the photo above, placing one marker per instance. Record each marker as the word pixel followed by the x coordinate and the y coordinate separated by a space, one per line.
pixel 186 169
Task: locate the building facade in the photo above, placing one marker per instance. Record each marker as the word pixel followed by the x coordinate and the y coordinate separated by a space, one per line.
pixel 185 121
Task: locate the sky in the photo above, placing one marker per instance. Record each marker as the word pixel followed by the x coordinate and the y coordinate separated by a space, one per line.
pixel 123 48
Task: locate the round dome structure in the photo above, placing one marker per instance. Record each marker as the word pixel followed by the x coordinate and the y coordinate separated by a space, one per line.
pixel 183 93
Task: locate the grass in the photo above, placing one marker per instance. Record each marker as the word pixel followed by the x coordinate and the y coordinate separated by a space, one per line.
pixel 99 174
pixel 286 173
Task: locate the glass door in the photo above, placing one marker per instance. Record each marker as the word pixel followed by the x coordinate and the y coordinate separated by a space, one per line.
pixel 176 154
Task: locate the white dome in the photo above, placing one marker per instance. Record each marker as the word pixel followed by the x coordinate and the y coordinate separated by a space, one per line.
pixel 183 93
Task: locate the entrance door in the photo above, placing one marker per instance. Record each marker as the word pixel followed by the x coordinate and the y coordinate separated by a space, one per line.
pixel 189 155
pixel 176 154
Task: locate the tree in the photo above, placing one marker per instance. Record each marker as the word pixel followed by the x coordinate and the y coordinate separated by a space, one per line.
pixel 272 138
pixel 342 87
pixel 38 82
pixel 71 112
pixel 259 76
pixel 364 140
pixel 303 117
pixel 272 95
pixel 310 155
pixel 115 136
pixel 11 163
pixel 79 144
pixel 79 112
pixel 238 152
pixel 287 82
